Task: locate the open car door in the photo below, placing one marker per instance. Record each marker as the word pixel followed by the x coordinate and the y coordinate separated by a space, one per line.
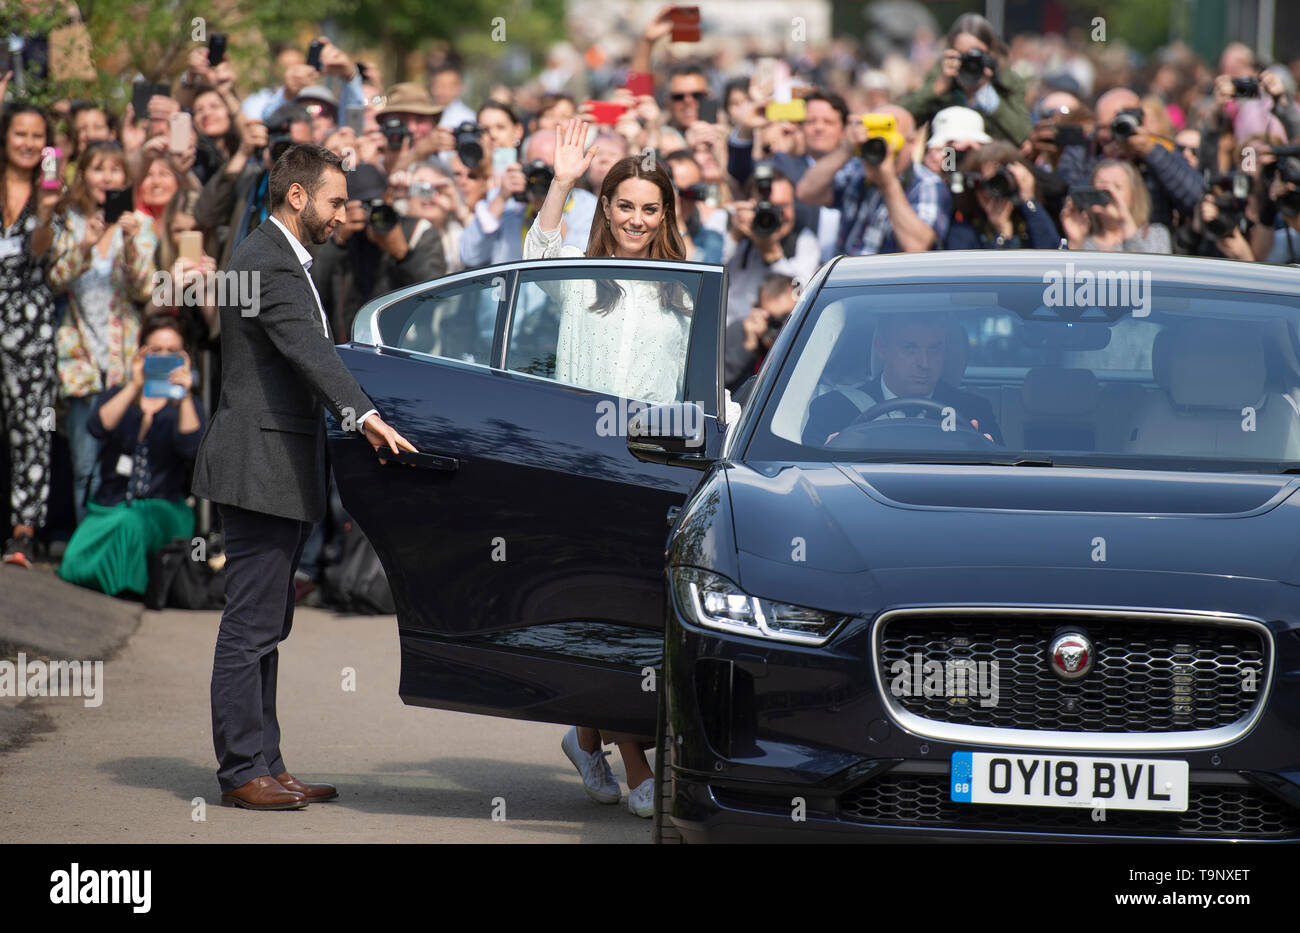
pixel 524 545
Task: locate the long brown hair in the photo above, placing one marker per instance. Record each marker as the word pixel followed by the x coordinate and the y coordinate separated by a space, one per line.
pixel 185 183
pixel 667 242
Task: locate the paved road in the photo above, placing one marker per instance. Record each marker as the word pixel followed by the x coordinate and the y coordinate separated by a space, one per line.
pixel 128 770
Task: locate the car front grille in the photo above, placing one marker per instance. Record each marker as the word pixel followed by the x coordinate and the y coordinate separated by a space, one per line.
pixel 1149 675
pixel 1214 811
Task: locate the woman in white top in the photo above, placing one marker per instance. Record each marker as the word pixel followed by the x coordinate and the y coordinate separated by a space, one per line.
pixel 624 337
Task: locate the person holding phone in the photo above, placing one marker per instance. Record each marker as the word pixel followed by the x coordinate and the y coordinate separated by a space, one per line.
pixel 168 196
pixel 104 261
pixel 29 195
pixel 150 436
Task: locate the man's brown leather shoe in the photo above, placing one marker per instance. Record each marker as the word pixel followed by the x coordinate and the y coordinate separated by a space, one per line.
pixel 315 793
pixel 264 793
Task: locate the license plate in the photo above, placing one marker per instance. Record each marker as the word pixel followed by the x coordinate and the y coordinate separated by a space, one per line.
pixel 1054 781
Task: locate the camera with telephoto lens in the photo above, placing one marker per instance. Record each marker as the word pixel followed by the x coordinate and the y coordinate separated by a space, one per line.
pixel 767 216
pixel 468 145
pixel 1002 184
pixel 394 131
pixel 1287 170
pixel 537 181
pixel 279 137
pixel 1230 193
pixel 1127 123
pixel 971 70
pixel 381 216
pixel 1287 166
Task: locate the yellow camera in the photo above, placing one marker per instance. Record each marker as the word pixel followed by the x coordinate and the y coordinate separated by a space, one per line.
pixel 883 137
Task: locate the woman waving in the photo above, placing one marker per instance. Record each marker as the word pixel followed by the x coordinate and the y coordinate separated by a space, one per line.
pixel 626 337
pixel 615 335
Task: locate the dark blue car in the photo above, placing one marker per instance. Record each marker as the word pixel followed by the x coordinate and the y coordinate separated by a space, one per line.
pixel 998 548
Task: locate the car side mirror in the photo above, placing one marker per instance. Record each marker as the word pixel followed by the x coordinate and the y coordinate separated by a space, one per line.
pixel 670 434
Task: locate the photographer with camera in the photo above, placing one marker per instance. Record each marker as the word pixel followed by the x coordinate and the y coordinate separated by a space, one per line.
pixel 1281 179
pixel 409 122
pixel 995 203
pixel 373 252
pixel 701 221
pixel 1122 133
pixel 1115 215
pixel 968 75
pixel 502 219
pixel 887 203
pixel 763 240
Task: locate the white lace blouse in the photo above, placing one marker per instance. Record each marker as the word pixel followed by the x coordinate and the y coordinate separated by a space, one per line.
pixel 636 350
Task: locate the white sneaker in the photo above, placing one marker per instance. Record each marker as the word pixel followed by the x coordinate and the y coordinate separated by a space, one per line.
pixel 597 779
pixel 642 799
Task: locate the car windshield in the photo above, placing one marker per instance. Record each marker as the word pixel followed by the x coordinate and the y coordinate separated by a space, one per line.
pixel 1160 377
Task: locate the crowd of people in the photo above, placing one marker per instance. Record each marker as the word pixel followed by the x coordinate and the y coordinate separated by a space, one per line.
pixel 777 163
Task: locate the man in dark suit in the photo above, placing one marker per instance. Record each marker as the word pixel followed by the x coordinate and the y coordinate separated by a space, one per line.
pixel 262 460
pixel 912 349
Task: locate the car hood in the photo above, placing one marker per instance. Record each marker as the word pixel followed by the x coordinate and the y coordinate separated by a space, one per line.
pixel 807 529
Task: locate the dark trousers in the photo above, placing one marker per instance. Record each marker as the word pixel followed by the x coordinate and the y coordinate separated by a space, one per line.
pixel 262 553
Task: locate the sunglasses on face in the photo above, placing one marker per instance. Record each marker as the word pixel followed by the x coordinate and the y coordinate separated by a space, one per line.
pixel 1043 113
pixel 698 95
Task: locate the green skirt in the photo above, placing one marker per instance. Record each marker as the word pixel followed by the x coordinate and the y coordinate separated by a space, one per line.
pixel 110 549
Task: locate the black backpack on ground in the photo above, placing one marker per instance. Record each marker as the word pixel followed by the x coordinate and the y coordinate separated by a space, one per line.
pixel 356 581
pixel 177 581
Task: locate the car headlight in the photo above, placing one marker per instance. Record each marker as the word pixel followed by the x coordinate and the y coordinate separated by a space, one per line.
pixel 712 601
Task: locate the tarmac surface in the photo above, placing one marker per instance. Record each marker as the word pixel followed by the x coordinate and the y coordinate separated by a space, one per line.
pixel 140 767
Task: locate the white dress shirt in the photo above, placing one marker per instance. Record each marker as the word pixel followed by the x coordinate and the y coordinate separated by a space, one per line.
pixel 305 259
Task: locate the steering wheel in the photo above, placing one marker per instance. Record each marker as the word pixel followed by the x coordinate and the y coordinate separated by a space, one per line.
pixel 933 412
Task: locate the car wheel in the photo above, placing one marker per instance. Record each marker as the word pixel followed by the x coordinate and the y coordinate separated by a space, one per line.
pixel 663 832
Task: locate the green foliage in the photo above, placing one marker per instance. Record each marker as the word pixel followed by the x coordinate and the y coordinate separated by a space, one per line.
pixel 404 26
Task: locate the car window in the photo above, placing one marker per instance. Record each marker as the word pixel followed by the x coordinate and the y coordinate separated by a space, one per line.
pixel 1199 380
pixel 626 335
pixel 452 321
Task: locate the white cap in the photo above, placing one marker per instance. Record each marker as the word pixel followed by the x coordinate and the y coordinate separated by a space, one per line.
pixel 952 124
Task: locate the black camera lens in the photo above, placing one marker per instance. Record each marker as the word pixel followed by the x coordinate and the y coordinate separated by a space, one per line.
pixel 468 147
pixel 1231 212
pixel 1245 87
pixel 1002 184
pixel 1127 123
pixel 394 131
pixel 537 181
pixel 767 219
pixel 1289 204
pixel 381 216
pixel 971 70
pixel 874 150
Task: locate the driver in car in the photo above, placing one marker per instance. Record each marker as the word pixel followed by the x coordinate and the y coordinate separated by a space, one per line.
pixel 912 348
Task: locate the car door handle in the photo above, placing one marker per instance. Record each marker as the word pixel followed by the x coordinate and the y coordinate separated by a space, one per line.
pixel 423 460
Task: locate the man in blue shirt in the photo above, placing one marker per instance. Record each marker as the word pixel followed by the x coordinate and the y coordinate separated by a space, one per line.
pixel 894 207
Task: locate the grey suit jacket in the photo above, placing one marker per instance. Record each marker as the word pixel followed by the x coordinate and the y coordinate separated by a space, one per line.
pixel 264 449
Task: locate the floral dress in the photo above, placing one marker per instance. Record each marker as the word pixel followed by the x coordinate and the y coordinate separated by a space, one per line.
pixel 27 362
pixel 99 334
